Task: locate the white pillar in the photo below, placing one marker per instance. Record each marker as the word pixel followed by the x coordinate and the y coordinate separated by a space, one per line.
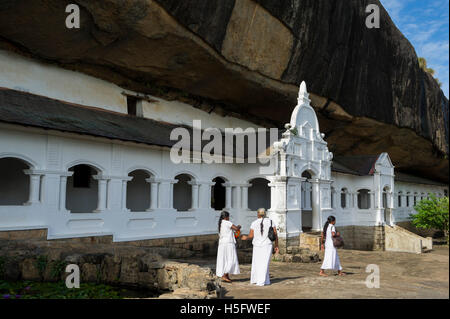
pixel 153 195
pixel 245 196
pixel 227 195
pixel 63 190
pixel 194 201
pixel 102 191
pixel 238 197
pixel 315 205
pixel 124 191
pixel 124 195
pixel 34 189
pixel 204 194
pixel 165 193
pixel 372 204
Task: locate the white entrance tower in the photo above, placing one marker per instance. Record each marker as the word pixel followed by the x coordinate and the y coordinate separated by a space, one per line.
pixel 301 152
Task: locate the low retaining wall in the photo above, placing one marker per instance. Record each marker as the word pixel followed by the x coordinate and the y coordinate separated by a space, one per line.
pixel 28 255
pixel 172 248
pixel 434 233
pixel 401 240
pixel 363 237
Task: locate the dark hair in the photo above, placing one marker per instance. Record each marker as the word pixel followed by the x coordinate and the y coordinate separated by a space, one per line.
pixel 329 220
pixel 223 215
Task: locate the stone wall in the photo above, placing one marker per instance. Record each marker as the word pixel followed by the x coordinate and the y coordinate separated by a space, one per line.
pixel 310 241
pixel 173 248
pixel 363 237
pixel 28 255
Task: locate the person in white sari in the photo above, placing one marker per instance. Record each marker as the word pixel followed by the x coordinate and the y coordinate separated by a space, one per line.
pixel 262 248
pixel 331 259
pixel 227 260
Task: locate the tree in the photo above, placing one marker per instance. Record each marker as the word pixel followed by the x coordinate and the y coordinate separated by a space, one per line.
pixel 432 213
pixel 423 66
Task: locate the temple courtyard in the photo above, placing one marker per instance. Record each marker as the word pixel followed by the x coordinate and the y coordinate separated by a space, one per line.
pixel 402 275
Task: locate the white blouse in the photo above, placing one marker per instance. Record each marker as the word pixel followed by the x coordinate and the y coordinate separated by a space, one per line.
pixel 226 234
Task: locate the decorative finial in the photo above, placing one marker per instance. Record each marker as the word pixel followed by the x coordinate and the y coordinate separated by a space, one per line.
pixel 303 88
pixel 303 93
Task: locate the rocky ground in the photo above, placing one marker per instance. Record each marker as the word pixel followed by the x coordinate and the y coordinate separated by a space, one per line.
pixel 402 275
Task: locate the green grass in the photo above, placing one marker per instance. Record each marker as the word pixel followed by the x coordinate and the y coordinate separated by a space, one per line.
pixel 58 290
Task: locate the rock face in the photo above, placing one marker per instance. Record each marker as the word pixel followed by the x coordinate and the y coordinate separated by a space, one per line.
pixel 246 58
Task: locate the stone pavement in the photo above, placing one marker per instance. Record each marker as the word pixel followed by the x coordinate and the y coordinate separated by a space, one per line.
pixel 402 275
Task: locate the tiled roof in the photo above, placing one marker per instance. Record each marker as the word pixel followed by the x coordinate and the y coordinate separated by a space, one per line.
pixel 408 178
pixel 17 107
pixel 357 164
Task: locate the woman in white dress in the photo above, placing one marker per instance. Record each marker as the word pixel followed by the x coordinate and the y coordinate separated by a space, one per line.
pixel 227 260
pixel 262 248
pixel 331 258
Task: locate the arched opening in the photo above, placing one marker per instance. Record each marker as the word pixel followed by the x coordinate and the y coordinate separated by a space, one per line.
pixel 415 200
pixel 307 191
pixel 82 189
pixel 307 202
pixel 344 193
pixel 14 183
pixel 363 199
pixel 259 194
pixel 138 191
pixel 408 194
pixel 218 193
pixel 399 199
pixel 182 193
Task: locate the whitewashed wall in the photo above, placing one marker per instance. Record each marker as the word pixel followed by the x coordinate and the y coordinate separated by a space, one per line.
pixel 51 156
pixel 420 191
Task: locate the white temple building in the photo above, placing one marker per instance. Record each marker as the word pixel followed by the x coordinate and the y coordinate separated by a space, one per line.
pixel 80 156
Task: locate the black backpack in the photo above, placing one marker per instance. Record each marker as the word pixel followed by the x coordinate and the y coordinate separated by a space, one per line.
pixel 271 233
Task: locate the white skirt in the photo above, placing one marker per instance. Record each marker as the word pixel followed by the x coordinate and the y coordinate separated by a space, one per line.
pixel 260 265
pixel 331 259
pixel 227 260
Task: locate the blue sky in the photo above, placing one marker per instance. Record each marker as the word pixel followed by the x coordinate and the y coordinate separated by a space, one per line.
pixel 426 25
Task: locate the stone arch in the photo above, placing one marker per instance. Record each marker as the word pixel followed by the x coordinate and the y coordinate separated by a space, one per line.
pixel 148 170
pixel 310 169
pixel 82 188
pixel 138 196
pixel 14 183
pixel 28 161
pixel 182 191
pixel 259 195
pixel 97 167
